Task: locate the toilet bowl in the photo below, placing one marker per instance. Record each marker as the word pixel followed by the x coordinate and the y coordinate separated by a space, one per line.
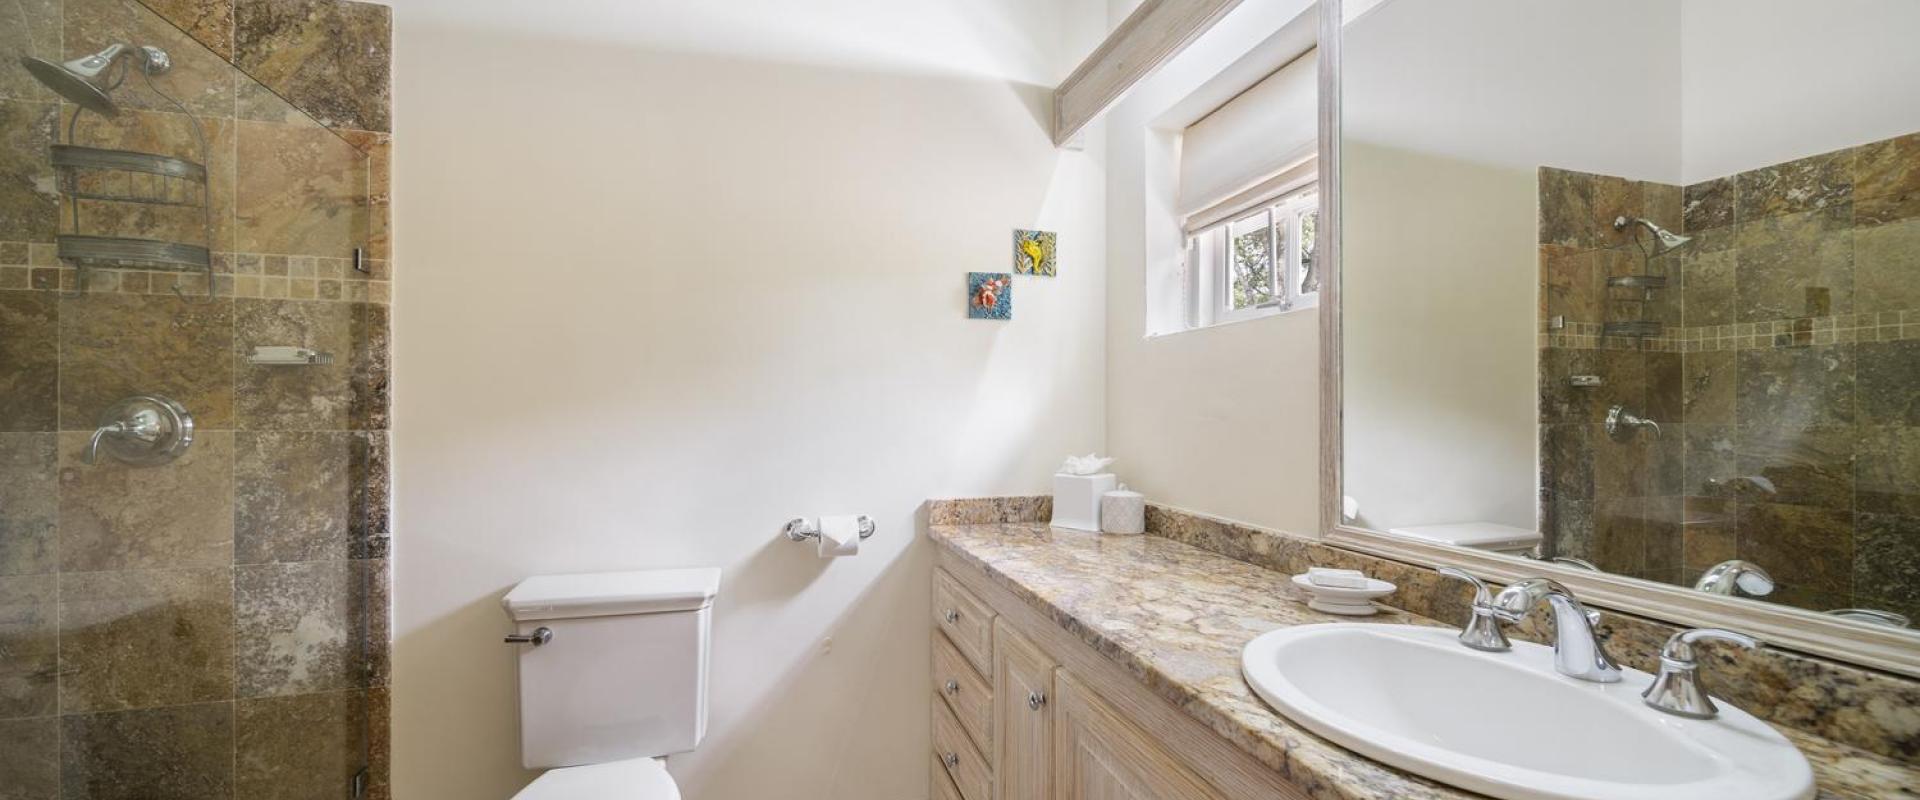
pixel 613 678
pixel 632 779
pixel 1477 535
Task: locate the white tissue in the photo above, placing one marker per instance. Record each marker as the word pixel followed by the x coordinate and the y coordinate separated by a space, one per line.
pixel 1089 464
pixel 1336 578
pixel 839 536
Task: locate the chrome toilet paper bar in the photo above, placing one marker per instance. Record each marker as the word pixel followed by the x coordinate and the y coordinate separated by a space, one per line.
pixel 800 529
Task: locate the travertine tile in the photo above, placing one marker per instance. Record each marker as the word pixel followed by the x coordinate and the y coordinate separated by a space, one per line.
pixel 300 190
pixel 114 516
pixel 1888 380
pixel 300 627
pixel 176 753
pixel 209 22
pixel 311 397
pixel 1814 182
pixel 1887 264
pixel 29 636
pixel 293 496
pixel 1807 465
pixel 1887 179
pixel 117 346
pixel 29 502
pixel 372 367
pixel 1887 470
pixel 1709 204
pixel 1886 562
pixel 29 365
pixel 29 203
pixel 370 480
pixel 329 59
pixel 34 30
pixel 303 747
pixel 1707 382
pixel 1796 265
pixel 145 639
pixel 1807 549
pixel 30 759
pixel 1796 386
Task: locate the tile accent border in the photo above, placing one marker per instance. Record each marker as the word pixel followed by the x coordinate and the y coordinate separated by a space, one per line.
pixel 33 266
pixel 1884 326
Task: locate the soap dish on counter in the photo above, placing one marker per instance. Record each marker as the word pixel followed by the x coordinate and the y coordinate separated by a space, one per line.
pixel 1345 602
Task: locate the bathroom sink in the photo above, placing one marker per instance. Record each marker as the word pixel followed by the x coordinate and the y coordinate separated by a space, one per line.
pixel 1506 724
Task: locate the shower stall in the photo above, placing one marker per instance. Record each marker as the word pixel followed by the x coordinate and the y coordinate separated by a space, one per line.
pixel 193 446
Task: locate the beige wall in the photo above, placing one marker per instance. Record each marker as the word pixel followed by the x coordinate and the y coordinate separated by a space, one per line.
pixel 1439 292
pixel 1225 419
pixel 678 272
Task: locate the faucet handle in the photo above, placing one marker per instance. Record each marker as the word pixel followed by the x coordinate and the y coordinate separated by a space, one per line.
pixel 1678 689
pixel 1482 630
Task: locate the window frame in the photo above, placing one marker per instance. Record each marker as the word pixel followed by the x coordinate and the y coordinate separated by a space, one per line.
pixel 1209 253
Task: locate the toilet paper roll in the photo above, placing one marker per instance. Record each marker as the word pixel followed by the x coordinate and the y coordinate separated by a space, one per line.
pixel 839 536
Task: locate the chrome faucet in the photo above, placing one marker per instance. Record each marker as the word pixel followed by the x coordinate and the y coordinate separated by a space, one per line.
pixel 1482 631
pixel 1577 651
pixel 1678 689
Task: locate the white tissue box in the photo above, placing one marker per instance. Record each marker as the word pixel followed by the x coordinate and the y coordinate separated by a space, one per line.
pixel 1076 499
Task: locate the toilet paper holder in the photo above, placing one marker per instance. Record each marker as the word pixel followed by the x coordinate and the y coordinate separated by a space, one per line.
pixel 800 529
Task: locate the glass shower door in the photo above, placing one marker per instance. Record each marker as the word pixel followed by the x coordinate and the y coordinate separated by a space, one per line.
pixel 192 423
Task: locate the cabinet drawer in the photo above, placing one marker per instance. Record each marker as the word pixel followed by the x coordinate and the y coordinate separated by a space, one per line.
pixel 958 756
pixel 968 694
pixel 966 621
pixel 943 788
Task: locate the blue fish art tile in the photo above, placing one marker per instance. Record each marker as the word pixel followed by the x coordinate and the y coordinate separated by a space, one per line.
pixel 989 295
pixel 1033 252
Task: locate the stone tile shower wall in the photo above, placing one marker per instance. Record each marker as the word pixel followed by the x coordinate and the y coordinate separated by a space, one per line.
pixel 216 626
pixel 1786 377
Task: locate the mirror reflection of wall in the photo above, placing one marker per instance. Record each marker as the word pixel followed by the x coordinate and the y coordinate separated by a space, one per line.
pixel 1655 298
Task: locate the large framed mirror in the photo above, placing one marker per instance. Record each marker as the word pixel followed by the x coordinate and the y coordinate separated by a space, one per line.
pixel 1627 293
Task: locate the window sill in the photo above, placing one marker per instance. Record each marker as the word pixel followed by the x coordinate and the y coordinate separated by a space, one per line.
pixel 1262 317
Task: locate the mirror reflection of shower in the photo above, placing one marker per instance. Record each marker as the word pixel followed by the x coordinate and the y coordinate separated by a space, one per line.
pixel 1664 241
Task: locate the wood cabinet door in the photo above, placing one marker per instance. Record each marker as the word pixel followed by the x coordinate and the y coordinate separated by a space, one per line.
pixel 1099 755
pixel 1022 716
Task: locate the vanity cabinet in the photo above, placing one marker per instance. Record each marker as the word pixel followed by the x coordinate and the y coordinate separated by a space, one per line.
pixel 1099 755
pixel 1023 710
pixel 1022 715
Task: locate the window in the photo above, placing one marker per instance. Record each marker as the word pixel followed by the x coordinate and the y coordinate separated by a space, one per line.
pixel 1257 263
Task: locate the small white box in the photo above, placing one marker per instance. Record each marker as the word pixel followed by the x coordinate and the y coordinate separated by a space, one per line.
pixel 1076 499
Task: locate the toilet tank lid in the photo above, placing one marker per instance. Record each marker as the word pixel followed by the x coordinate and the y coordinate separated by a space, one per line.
pixel 1471 534
pixel 606 594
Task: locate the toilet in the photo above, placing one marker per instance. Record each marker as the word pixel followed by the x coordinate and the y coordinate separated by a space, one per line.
pixel 1477 535
pixel 613 678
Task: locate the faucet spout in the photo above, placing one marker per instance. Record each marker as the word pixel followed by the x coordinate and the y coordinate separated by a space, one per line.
pixel 1577 651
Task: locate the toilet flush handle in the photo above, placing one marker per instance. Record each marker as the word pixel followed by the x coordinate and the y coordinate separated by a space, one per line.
pixel 540 636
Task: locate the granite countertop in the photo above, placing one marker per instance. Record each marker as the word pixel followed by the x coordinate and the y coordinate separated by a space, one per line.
pixel 1177 617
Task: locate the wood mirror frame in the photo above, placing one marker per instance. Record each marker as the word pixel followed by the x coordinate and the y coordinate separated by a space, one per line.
pixel 1880 647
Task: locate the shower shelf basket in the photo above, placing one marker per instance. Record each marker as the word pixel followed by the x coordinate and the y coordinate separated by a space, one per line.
pixel 93 174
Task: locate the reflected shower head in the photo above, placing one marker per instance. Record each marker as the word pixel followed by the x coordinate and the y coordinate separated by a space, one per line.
pixel 1664 241
pixel 82 81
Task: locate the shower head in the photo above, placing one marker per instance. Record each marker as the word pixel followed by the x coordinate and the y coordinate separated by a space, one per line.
pixel 1664 241
pixel 79 80
pixel 83 81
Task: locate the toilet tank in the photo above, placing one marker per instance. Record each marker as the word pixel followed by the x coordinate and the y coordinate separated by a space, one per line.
pixel 624 672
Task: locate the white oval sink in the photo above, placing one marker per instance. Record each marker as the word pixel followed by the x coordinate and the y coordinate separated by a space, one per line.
pixel 1506 724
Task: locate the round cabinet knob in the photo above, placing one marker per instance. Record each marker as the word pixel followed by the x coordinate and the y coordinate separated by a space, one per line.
pixel 1035 700
pixel 953 687
pixel 951 760
pixel 952 616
